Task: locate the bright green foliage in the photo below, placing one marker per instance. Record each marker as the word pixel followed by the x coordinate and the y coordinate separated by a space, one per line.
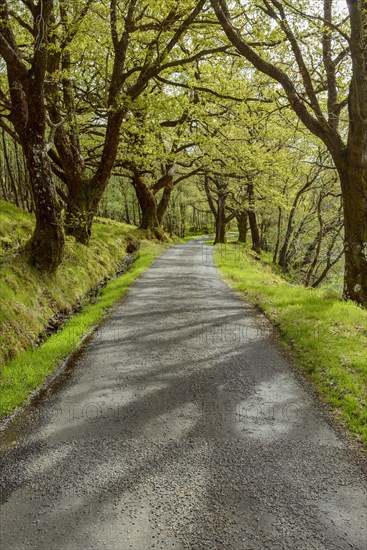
pixel 328 337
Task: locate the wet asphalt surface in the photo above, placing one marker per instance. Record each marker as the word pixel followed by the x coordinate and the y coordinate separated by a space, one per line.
pixel 182 427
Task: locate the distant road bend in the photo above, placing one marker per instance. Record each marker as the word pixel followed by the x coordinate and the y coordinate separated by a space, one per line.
pixel 182 427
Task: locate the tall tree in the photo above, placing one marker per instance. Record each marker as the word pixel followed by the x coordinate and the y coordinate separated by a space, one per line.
pixel 26 75
pixel 141 44
pixel 314 74
pixel 217 192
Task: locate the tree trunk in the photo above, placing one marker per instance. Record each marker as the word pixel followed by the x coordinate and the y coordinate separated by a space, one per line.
pixel 353 171
pixel 10 172
pixel 183 219
pixel 283 255
pixel 47 242
pixel 127 212
pixel 255 235
pixel 279 229
pixel 220 222
pixel 354 187
pixel 148 207
pixel 242 220
pixel 264 228
pixel 28 116
pixel 163 203
pixel 80 211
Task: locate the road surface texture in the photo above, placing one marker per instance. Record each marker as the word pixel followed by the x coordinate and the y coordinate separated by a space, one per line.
pixel 182 427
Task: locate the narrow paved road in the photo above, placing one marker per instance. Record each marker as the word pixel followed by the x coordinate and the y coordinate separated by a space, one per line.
pixel 182 427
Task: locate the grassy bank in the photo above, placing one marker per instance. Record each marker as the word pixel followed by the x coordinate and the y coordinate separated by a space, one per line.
pixel 29 300
pixel 30 368
pixel 328 337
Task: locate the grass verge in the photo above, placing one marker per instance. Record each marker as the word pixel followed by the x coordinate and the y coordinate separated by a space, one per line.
pixel 31 368
pixel 327 336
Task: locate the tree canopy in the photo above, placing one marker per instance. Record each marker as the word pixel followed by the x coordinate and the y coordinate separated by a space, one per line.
pixel 189 114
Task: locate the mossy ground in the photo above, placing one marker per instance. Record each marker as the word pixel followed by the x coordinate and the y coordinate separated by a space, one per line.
pixel 327 336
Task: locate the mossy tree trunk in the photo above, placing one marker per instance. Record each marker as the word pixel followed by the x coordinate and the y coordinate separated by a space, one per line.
pixel 354 186
pixel 254 228
pixel 148 206
pixel 79 214
pixel 47 242
pixel 352 164
pixel 28 116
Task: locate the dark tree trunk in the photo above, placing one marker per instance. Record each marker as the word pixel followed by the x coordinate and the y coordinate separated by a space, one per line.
pixel 264 228
pixel 279 229
pixel 283 255
pixel 149 218
pixel 254 228
pixel 23 189
pixel 29 118
pixel 127 211
pixel 47 242
pixel 255 235
pixel 354 188
pixel 242 222
pixel 353 171
pixel 183 219
pixel 28 115
pixel 10 171
pixel 163 203
pixel 148 207
pixel 135 207
pixel 220 221
pixel 218 208
pixel 80 211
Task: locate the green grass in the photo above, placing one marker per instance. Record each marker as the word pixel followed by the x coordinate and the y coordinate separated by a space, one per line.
pixel 327 336
pixel 31 368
